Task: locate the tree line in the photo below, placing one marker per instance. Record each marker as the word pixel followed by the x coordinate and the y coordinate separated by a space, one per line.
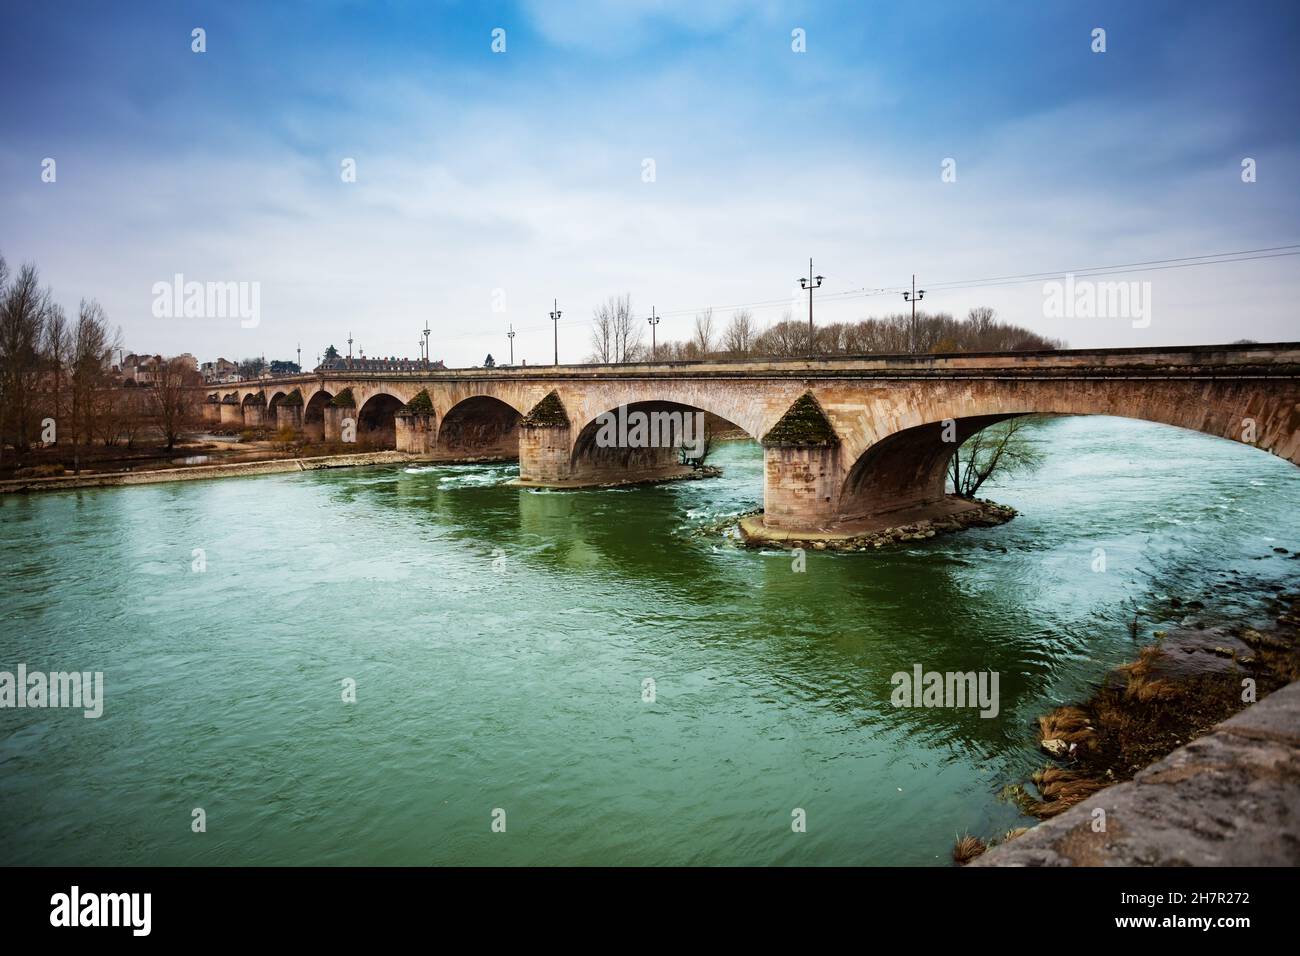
pixel 619 335
pixel 56 383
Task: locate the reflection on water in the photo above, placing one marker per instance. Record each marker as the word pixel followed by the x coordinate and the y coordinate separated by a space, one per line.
pixel 500 638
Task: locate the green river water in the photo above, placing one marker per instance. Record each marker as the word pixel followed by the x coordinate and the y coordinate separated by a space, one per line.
pixel 499 639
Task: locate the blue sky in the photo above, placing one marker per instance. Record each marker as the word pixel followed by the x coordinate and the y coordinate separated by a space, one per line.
pixel 487 180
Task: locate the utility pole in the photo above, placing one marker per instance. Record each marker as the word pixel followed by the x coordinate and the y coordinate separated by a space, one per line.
pixel 511 336
pixel 913 298
pixel 555 317
pixel 809 285
pixel 653 320
pixel 426 343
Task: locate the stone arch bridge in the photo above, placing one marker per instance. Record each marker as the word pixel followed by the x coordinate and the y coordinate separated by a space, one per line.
pixel 846 439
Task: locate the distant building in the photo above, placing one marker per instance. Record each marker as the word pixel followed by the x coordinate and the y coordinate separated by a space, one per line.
pixel 140 369
pixel 219 372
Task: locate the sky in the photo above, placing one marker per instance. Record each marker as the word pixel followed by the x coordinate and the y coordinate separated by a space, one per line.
pixel 685 153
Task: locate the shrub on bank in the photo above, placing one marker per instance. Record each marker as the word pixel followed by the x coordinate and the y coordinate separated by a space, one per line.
pixel 40 471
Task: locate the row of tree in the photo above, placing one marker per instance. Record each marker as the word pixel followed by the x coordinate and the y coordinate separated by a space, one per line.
pixel 250 368
pixel 56 382
pixel 618 335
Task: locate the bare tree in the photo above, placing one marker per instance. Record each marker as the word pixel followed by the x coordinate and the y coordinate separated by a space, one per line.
pixel 980 319
pixel 786 337
pixel 92 343
pixel 703 337
pixel 173 398
pixel 602 334
pixel 627 330
pixel 615 332
pixel 129 414
pixel 999 448
pixel 23 312
pixel 740 333
pixel 57 348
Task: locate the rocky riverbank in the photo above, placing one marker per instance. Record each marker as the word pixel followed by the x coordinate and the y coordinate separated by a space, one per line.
pixel 1137 727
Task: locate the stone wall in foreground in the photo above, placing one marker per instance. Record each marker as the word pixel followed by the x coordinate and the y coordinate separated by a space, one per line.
pixel 1230 798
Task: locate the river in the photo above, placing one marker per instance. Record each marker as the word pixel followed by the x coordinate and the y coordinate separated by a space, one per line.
pixel 500 640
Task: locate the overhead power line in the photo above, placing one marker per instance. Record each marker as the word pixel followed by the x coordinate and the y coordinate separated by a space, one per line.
pixel 952 285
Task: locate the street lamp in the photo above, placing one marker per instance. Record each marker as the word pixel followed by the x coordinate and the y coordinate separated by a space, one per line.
pixel 653 320
pixel 511 336
pixel 810 283
pixel 555 317
pixel 913 297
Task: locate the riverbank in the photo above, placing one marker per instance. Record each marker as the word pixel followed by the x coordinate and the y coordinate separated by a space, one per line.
pixel 269 466
pixel 1178 749
pixel 955 514
pixel 1230 798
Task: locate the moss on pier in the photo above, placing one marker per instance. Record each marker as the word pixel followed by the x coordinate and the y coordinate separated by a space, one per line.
pixel 343 399
pixel 422 404
pixel 803 424
pixel 292 399
pixel 548 413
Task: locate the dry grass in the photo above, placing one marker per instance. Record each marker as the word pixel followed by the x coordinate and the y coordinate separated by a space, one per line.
pixel 1059 790
pixel 1069 726
pixel 1142 687
pixel 967 848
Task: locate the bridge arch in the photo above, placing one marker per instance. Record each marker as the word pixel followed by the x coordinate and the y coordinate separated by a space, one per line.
pixel 1236 409
pixel 377 420
pixel 313 415
pixel 652 439
pixel 906 469
pixel 896 458
pixel 733 403
pixel 480 426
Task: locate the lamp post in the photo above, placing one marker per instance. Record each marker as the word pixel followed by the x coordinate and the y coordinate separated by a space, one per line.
pixel 511 336
pixel 426 344
pixel 809 284
pixel 265 378
pixel 913 297
pixel 653 320
pixel 555 318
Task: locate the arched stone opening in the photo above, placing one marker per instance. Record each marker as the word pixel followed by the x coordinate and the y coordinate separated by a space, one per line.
pixel 480 427
pixel 907 469
pixel 377 421
pixel 644 441
pixel 313 416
